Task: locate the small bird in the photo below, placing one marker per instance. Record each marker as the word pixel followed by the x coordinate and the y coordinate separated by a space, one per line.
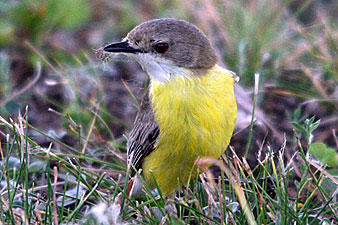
pixel 189 111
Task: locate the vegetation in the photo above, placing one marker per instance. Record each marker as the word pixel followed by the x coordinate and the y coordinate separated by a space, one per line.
pixel 64 114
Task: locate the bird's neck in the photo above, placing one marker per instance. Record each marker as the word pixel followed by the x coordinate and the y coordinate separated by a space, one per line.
pixel 186 82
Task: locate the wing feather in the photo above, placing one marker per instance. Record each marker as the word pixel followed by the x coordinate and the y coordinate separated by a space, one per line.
pixel 144 135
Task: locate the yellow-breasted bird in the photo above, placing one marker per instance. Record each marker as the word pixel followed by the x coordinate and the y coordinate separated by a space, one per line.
pixel 190 109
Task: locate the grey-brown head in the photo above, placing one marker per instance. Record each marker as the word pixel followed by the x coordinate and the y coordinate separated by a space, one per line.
pixel 166 48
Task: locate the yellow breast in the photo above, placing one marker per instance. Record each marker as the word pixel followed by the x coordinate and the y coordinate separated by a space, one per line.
pixel 196 118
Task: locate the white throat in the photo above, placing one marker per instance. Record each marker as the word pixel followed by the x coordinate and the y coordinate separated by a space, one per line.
pixel 160 69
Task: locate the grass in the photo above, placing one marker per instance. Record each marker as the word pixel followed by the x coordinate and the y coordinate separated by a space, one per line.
pixel 73 171
pixel 65 191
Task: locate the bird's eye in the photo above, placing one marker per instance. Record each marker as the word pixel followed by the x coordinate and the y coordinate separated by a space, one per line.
pixel 161 47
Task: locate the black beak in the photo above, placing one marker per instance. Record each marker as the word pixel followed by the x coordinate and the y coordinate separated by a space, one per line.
pixel 121 47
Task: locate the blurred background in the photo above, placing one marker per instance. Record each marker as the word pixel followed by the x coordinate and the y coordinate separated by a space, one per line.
pixel 48 63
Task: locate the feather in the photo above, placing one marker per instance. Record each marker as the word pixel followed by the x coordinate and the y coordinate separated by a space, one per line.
pixel 144 135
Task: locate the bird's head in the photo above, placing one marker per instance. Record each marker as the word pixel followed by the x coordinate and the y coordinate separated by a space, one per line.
pixel 166 48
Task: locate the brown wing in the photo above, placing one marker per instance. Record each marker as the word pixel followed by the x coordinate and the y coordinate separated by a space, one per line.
pixel 143 136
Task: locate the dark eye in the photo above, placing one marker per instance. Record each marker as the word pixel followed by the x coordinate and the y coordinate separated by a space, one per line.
pixel 161 47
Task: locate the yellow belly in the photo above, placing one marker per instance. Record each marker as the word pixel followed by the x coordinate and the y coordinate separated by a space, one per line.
pixel 196 118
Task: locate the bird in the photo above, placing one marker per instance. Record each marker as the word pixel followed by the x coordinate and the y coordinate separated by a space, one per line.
pixel 189 110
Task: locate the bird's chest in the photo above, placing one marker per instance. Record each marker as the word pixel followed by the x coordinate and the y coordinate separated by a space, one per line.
pixel 192 117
